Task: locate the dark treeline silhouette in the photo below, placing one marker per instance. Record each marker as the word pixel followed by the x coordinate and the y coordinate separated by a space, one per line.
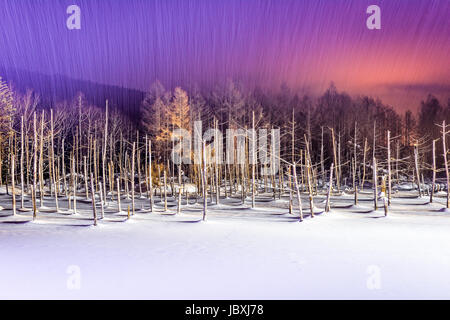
pixel 53 89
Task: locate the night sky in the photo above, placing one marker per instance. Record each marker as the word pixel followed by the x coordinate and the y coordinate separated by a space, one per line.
pixel 306 44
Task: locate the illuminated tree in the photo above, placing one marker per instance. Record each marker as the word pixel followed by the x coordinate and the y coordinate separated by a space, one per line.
pixel 178 112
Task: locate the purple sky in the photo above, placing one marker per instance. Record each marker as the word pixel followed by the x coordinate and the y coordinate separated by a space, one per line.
pixel 306 44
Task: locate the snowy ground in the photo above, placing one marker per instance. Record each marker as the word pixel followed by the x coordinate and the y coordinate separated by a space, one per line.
pixel 239 253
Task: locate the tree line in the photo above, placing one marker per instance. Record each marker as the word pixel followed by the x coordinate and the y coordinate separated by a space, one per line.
pixel 333 140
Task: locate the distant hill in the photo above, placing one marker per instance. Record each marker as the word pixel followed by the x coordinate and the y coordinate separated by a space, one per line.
pixel 54 88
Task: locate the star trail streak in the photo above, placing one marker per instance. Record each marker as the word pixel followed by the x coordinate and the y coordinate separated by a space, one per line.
pixel 306 44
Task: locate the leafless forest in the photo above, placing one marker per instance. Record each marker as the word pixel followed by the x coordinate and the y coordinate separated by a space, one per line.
pixel 329 145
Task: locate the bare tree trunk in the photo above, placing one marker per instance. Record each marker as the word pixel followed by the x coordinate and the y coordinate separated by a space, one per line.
pixel 204 181
pixel 35 159
pixel 355 187
pixel 13 184
pixel 375 190
pixel 308 175
pixel 165 191
pixel 52 164
pixel 101 201
pixel 374 139
pixel 355 142
pixel 105 142
pixel 253 158
pixel 433 183
pixel 330 188
pixel 133 154
pixel 179 200
pixel 79 128
pixel 121 173
pixel 217 160
pixel 364 165
pixel 22 182
pixel 389 182
pixel 86 178
pixel 335 160
pixel 95 161
pixel 311 199
pixel 125 176
pixel 55 179
pixel 243 195
pixel 139 171
pixel 159 183
pixel 280 182
pixel 94 210
pixel 385 204
pixel 297 188
pixel 322 164
pixel 41 162
pixel 33 200
pixel 211 184
pixel 444 133
pixel 397 160
pixel 150 174
pixel 339 157
pixel 179 190
pixel 64 170
pixel 27 162
pixel 111 178
pixel 118 196
pixel 146 166
pixel 416 163
pixel 290 190
pixel 302 171
pixel 49 160
pixel 225 181
pixel 74 183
